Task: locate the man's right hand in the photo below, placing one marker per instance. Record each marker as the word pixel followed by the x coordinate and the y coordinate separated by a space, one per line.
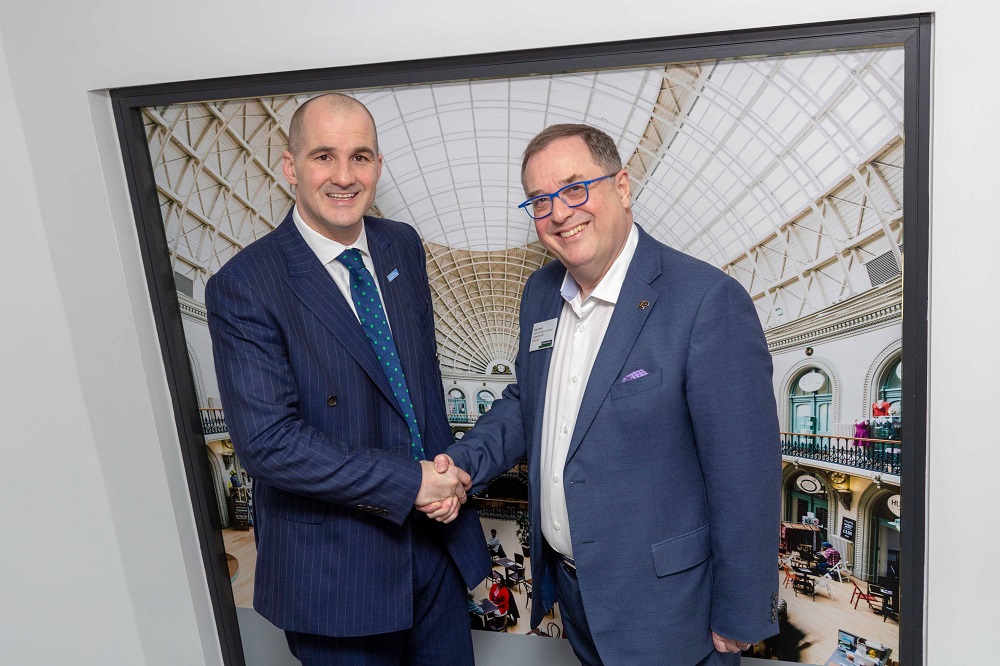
pixel 442 489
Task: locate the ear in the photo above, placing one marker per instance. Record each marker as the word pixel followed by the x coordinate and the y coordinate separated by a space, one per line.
pixel 378 174
pixel 288 168
pixel 624 187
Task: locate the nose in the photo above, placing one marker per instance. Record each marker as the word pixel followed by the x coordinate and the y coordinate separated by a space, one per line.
pixel 560 210
pixel 341 174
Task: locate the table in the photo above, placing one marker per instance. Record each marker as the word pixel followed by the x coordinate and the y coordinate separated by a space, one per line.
pixel 488 607
pixel 509 565
pixel 804 582
pixel 840 658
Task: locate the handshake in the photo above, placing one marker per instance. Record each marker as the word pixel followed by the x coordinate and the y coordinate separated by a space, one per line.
pixel 442 490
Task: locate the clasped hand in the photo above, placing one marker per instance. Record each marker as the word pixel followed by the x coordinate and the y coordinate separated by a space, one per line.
pixel 442 489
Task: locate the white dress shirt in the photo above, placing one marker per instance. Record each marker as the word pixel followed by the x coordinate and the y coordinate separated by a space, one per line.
pixel 581 329
pixel 328 250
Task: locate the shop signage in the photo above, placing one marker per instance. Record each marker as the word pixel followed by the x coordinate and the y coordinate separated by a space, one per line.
pixel 847 526
pixel 809 484
pixel 893 503
pixel 811 382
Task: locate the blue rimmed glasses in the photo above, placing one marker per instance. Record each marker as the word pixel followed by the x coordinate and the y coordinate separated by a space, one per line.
pixel 573 195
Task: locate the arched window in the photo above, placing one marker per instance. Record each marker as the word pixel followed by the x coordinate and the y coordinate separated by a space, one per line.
pixel 456 403
pixel 811 400
pixel 891 387
pixel 484 400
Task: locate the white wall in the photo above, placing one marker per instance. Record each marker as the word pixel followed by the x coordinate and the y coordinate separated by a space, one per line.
pixel 95 392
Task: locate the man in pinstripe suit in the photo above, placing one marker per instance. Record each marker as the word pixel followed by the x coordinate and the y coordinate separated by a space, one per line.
pixel 345 565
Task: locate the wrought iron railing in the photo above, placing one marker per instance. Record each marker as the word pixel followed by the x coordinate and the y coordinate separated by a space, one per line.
pixel 876 455
pixel 459 419
pixel 213 420
pixel 499 509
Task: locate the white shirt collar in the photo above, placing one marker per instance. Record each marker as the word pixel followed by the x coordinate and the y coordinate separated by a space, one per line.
pixel 325 249
pixel 610 285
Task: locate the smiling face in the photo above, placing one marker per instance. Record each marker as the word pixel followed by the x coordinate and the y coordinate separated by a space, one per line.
pixel 335 167
pixel 586 239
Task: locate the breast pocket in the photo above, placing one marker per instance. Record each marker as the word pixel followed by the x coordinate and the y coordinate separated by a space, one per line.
pixel 638 385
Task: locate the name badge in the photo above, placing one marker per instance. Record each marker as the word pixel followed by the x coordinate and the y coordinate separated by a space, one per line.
pixel 543 334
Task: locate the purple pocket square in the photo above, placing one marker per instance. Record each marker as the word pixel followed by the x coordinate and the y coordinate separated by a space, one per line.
pixel 635 374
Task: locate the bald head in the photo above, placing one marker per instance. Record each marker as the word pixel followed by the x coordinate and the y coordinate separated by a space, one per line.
pixel 334 103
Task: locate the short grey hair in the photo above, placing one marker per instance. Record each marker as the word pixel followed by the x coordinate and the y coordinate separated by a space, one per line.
pixel 602 147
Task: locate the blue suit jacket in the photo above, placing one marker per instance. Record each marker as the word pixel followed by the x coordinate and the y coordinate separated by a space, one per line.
pixel 672 480
pixel 314 422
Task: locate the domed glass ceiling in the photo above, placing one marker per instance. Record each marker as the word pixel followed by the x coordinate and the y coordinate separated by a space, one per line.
pixel 786 172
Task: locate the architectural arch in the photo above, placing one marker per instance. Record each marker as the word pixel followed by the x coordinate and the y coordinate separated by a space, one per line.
pixel 864 568
pixel 885 359
pixel 821 363
pixel 788 474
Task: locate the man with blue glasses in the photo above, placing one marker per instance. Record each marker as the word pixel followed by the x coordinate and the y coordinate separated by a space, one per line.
pixel 644 405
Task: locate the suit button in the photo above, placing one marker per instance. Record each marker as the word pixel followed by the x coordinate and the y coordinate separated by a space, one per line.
pixel 383 512
pixel 360 508
pixel 332 401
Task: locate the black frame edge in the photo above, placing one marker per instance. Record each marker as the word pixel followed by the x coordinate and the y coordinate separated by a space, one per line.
pixel 916 294
pixel 912 31
pixel 173 347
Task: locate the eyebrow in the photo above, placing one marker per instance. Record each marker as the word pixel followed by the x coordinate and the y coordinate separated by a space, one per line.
pixel 575 178
pixel 319 150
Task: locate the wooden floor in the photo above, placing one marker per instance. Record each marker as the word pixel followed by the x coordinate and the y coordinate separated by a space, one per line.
pixel 820 620
pixel 239 544
pixel 551 624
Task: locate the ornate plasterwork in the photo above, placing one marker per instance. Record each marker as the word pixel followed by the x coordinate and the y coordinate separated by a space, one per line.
pixel 874 308
pixel 191 309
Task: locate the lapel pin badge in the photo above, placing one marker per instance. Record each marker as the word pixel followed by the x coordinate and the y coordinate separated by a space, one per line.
pixel 393 275
pixel 643 305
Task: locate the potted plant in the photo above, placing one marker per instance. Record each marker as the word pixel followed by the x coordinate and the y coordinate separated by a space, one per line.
pixel 523 531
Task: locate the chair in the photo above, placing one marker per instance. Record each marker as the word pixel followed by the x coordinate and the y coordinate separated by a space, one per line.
pixel 553 630
pixel 495 576
pixel 519 560
pixel 515 577
pixel 858 595
pixel 789 574
pixel 497 623
pixel 823 583
pixel 839 570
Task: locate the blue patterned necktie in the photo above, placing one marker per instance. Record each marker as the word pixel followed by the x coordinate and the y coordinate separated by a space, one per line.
pixel 376 328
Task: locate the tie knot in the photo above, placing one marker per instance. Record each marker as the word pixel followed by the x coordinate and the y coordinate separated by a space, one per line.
pixel 351 257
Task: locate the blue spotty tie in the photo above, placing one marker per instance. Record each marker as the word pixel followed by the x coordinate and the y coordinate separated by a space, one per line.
pixel 376 327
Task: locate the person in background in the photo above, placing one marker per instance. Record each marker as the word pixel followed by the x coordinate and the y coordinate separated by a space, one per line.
pixel 496 548
pixel 831 556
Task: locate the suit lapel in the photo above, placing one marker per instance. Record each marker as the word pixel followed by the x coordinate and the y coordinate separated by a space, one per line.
pixel 623 329
pixel 309 280
pixel 402 320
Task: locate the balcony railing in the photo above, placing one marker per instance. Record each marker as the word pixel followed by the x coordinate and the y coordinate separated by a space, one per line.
pixel 876 455
pixel 213 421
pixel 460 419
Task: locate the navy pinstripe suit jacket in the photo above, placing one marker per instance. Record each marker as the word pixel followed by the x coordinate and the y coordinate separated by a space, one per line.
pixel 314 422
